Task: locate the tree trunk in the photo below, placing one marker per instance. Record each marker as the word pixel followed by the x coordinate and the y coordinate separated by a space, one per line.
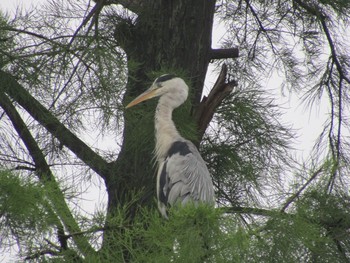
pixel 167 35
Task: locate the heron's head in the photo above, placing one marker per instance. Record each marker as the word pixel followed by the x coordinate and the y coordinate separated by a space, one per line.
pixel 174 87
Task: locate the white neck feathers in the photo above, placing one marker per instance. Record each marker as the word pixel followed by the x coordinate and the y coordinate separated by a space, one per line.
pixel 165 129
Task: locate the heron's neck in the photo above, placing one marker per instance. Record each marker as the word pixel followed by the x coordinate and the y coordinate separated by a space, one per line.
pixel 165 129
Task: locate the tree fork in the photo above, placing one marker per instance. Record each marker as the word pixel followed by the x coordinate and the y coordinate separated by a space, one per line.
pixel 207 107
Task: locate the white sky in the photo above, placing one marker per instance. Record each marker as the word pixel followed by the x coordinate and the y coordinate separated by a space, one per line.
pixel 307 124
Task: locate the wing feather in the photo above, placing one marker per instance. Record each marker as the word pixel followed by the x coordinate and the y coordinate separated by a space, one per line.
pixel 186 175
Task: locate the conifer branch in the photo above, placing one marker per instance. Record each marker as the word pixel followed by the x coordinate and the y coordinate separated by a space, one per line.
pixel 11 87
pixel 320 14
pixel 45 175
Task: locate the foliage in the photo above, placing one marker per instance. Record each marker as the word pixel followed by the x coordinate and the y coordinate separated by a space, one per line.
pixel 304 42
pixel 23 210
pixel 247 141
pixel 67 69
pixel 205 234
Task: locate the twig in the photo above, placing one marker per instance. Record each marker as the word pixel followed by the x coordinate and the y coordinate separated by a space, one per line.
pixel 42 253
pixel 297 194
pixel 251 210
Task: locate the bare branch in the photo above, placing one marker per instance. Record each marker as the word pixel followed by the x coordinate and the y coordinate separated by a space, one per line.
pixel 251 210
pixel 222 53
pixel 208 105
pixel 22 167
pixel 42 253
pixel 297 194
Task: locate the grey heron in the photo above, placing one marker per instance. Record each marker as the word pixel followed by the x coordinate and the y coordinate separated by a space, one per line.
pixel 182 176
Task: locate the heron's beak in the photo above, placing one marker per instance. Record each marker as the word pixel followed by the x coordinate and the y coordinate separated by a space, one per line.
pixel 148 94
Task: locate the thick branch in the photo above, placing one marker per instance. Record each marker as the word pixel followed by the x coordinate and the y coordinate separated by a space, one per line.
pixel 9 85
pixel 222 53
pixel 208 105
pixel 45 175
pixel 41 166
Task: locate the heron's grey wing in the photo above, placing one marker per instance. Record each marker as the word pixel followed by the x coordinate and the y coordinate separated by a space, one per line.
pixel 184 176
